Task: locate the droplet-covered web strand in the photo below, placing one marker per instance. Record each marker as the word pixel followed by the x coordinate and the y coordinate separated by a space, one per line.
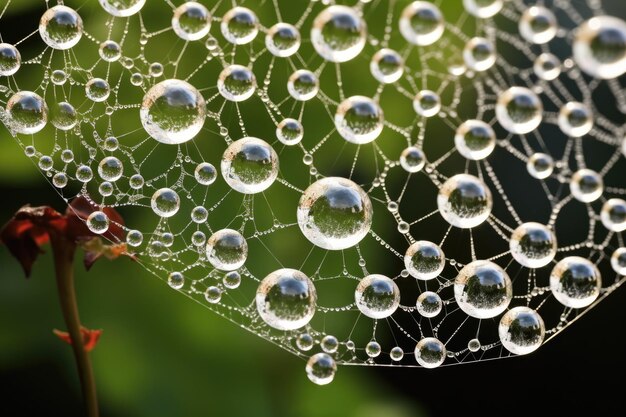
pixel 387 183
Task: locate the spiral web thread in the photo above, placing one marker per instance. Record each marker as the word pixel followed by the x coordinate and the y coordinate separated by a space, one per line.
pixel 267 220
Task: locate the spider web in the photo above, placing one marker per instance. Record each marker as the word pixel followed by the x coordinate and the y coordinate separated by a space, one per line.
pixel 405 208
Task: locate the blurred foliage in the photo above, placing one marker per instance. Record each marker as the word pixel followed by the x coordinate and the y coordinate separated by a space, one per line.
pixel 160 355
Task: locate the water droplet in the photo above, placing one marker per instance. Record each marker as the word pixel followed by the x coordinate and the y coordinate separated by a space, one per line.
pixel 30 151
pixel 67 156
pixel 613 215
pixel 377 296
pixel 165 202
pixel 63 116
pixel 464 201
pixel 84 173
pixel 540 165
pixel 61 27
pixel 329 344
pixel 199 214
pixel 483 289
pixel 236 83
pixel 289 132
pixel 424 260
pixel 305 342
pixel 110 168
pixel 575 282
pixel 167 239
pixel 483 9
pixel 429 304
pixel 45 163
pixel 97 90
pixel 475 140
pixel 176 280
pixel 359 119
pixel 227 250
pixel 372 349
pixel 191 21
pixel 547 67
pixel 98 222
pixel 321 369
pixel 10 59
pixel 136 79
pixel 618 261
pixel 240 26
pixel 430 352
pixel 134 238
pixel 479 54
pixel 338 34
pixel 303 85
pixel 173 112
pixel 519 110
pixel 586 185
pixel 28 112
pixel 286 299
pixel 213 295
pixel 60 180
pixel 456 66
pixel 533 245
pixel 575 119
pixel 198 238
pixel 249 165
pixel 205 173
pixel 232 280
pixel 136 181
pixel 412 159
pixel 600 47
pixel 473 345
pixel 521 330
pixel 334 213
pixel 122 8
pixel 282 40
pixel 427 103
pixel 156 69
pixel 396 354
pixel 105 188
pixel 58 77
pixel 421 23
pixel 387 66
pixel 538 25
pixel 110 51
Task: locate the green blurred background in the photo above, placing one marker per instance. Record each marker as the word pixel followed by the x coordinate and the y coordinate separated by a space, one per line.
pixel 162 355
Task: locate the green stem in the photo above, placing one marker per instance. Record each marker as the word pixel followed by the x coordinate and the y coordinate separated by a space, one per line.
pixel 63 251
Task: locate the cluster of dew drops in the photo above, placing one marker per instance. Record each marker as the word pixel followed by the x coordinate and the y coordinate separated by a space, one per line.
pixel 173 112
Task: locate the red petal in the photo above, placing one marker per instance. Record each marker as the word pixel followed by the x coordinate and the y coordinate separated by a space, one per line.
pixel 90 337
pixel 27 231
pixel 64 336
pixel 116 232
pixel 41 214
pixel 90 258
pixel 77 212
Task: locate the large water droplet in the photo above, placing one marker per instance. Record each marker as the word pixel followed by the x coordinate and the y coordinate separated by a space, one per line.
pixel 335 213
pixel 286 299
pixel 249 165
pixel 338 33
pixel 173 112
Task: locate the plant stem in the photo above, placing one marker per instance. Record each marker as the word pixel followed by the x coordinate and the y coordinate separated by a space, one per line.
pixel 63 251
